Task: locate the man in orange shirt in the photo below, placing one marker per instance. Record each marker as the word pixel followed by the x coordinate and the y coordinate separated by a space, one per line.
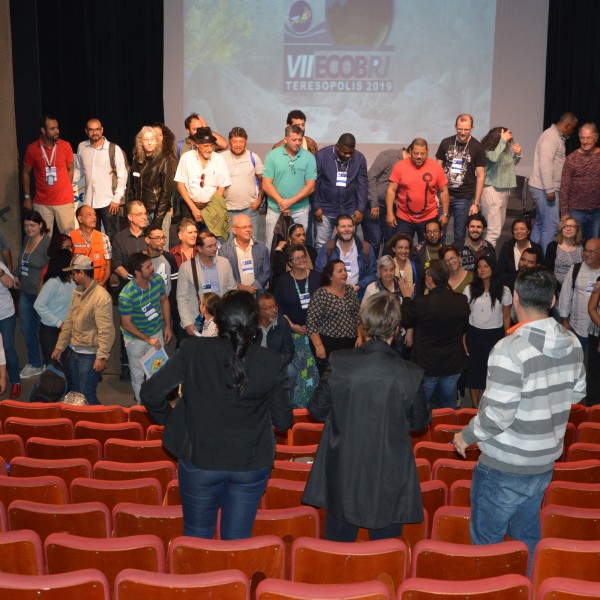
pixel 414 184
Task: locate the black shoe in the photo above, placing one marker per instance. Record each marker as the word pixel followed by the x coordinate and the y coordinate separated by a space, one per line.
pixel 125 373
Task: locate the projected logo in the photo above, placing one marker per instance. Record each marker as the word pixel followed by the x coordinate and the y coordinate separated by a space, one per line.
pixel 345 52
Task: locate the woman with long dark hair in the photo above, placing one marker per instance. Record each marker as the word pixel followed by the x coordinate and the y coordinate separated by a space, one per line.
pixel 296 236
pixel 233 393
pixel 489 321
pixel 54 300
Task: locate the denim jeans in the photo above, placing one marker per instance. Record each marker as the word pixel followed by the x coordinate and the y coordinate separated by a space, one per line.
pixel 236 493
pixel 82 375
pixel 376 231
pixel 136 349
pixel 323 231
pixel 547 215
pixel 7 330
pixel 48 338
pixel 340 531
pixel 459 209
pixel 30 321
pixel 447 390
pixel 589 221
pixel 108 221
pixel 409 228
pixel 300 216
pixel 504 503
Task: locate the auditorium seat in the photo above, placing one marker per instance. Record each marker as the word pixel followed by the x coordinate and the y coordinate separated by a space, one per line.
pixel 154 432
pixel 411 532
pixel 323 561
pixel 444 432
pixel 571 493
pixel 504 587
pixel 581 471
pixel 105 431
pixel 91 519
pixel 21 552
pixel 162 470
pixel 460 493
pixel 134 451
pixel 44 488
pixel 433 451
pixel 305 434
pixel 257 557
pixel 135 584
pixel 583 451
pixel 30 410
pixel 588 433
pixel 279 589
pixel 578 414
pixel 570 522
pixel 90 584
pixel 139 414
pixel 65 552
pixel 172 494
pixel 136 519
pixel 593 415
pixel 96 413
pixel 442 415
pixel 49 449
pixel 435 495
pixel 423 469
pixel 422 435
pixel 141 491
pixel 434 559
pixel 569 439
pixel 450 470
pixel 295 471
pixel 283 452
pixel 65 468
pixel 465 415
pixel 11 445
pixel 56 429
pixel 451 524
pixel 564 588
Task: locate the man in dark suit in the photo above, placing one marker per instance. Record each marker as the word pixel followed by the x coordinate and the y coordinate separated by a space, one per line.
pixel 440 319
pixel 364 472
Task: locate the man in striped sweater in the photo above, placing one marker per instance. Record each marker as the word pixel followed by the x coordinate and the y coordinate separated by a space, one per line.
pixel 534 376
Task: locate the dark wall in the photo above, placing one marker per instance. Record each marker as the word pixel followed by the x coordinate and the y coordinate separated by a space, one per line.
pixel 76 59
pixel 573 63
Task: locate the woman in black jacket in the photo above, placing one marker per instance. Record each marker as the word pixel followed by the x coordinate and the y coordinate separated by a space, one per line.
pixel 233 392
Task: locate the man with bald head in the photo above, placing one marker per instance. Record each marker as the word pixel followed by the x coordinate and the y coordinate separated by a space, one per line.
pixel 414 184
pixel 341 187
pixel 249 258
pixel 104 184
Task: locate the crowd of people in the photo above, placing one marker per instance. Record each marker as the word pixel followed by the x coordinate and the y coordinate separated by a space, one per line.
pixel 314 314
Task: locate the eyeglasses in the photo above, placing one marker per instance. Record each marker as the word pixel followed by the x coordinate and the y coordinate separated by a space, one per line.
pixel 140 214
pixel 292 167
pixel 149 140
pixel 243 226
pixel 298 258
pixel 452 259
pixel 570 227
pixel 158 237
pixel 433 232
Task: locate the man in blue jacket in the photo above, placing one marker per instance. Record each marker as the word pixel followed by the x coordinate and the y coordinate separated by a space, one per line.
pixel 356 254
pixel 341 188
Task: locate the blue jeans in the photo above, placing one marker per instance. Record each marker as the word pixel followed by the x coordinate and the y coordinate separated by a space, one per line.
pixel 376 231
pixel 547 215
pixel 459 209
pixel 30 322
pixel 7 330
pixel 323 231
pixel 504 503
pixel 589 221
pixel 447 390
pixel 82 375
pixel 409 228
pixel 236 493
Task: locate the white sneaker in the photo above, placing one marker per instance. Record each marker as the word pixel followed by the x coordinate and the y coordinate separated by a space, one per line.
pixel 31 371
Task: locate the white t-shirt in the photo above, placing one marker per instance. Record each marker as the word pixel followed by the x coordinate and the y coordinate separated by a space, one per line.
pixel 7 306
pixel 201 183
pixel 483 316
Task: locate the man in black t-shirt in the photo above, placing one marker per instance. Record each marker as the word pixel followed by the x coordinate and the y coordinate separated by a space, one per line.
pixel 463 160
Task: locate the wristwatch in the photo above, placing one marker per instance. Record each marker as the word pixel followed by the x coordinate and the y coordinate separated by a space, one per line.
pixel 27 197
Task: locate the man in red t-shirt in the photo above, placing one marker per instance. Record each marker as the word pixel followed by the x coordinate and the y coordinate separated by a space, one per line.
pixel 414 183
pixel 51 161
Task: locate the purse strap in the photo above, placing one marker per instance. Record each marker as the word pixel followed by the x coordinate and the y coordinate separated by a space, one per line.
pixel 195 276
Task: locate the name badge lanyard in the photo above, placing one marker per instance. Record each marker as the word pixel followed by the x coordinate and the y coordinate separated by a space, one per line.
pixel 50 169
pixel 341 179
pixel 458 159
pixel 25 261
pixel 147 309
pixel 304 296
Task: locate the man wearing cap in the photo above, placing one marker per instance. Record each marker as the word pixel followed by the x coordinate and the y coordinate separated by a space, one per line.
pixel 88 330
pixel 201 174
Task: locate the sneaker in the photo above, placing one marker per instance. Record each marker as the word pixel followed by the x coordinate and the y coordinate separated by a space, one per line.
pixel 31 371
pixel 15 391
pixel 125 374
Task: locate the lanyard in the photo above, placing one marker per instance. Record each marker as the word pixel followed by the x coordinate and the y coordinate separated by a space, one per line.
pixel 305 285
pixel 52 156
pixel 464 150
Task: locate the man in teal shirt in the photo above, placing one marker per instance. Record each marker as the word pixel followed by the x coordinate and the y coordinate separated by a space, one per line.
pixel 289 177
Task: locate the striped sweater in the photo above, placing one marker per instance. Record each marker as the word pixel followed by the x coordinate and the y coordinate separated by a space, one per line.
pixel 534 375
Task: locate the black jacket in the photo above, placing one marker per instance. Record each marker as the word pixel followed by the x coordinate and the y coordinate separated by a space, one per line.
pixel 225 432
pixel 279 338
pixel 151 181
pixel 506 261
pixel 364 471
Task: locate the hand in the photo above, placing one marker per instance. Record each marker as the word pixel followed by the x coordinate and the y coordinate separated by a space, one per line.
pixel 197 215
pixel 284 204
pixel 99 365
pixel 191 330
pixel 506 135
pixel 444 221
pixel 113 208
pixel 359 342
pixel 320 351
pixel 516 149
pixel 281 245
pixel 391 220
pixel 155 343
pixel 550 196
pixel 474 209
pixel 256 205
pixel 56 354
pixel 358 217
pixel 459 444
pixel 28 204
pixel 375 213
pixel 2 386
pixel 168 334
pixel 409 337
pixel 464 342
pixel 247 288
pixel 318 215
pixel 301 329
pixel 407 289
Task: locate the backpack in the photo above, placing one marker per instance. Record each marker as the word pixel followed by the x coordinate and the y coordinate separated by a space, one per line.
pixel 366 250
pixel 113 164
pixel 52 385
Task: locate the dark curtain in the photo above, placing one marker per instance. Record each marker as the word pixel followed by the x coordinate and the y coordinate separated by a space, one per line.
pixel 573 63
pixel 88 58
